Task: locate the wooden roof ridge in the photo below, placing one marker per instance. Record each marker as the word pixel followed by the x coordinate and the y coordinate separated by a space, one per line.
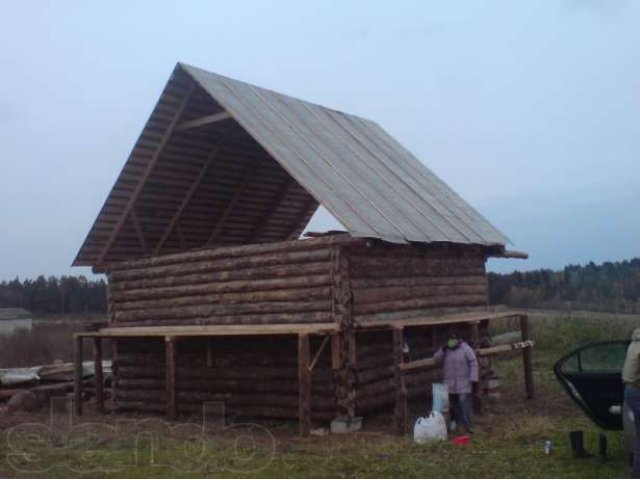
pixel 223 162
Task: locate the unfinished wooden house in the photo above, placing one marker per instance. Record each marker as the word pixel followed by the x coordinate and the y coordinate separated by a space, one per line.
pixel 213 296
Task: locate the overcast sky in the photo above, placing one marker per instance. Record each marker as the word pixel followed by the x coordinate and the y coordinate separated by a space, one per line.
pixel 530 110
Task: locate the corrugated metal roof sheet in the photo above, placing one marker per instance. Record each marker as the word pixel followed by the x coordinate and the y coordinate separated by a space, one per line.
pixel 366 179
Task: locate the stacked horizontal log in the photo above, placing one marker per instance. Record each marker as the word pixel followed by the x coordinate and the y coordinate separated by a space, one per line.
pixel 255 378
pixel 287 282
pixel 402 282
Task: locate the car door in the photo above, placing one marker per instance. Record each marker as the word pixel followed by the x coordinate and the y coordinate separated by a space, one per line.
pixel 592 377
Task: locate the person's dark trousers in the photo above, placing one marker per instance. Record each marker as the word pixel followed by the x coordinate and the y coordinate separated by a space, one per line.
pixel 461 409
pixel 632 395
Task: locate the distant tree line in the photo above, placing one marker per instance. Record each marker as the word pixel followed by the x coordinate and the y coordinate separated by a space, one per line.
pixel 53 295
pixel 611 287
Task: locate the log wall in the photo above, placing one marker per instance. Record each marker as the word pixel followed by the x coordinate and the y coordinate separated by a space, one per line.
pixel 401 282
pixel 336 279
pixel 286 282
pixel 257 377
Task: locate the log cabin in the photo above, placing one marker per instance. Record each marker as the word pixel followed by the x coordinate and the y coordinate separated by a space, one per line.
pixel 214 296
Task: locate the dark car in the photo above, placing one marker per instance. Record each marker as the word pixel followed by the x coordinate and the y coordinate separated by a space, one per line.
pixel 592 377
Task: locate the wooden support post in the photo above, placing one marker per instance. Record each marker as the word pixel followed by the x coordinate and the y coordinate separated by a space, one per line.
pixel 336 360
pixel 304 384
pixel 351 349
pixel 344 344
pixel 99 376
pixel 477 388
pixel 170 358
pixel 209 352
pixel 77 378
pixel 401 389
pixel 526 358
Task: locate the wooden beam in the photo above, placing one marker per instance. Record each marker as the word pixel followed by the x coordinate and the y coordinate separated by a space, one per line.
pixel 477 392
pixel 304 385
pixel 248 176
pixel 77 377
pixel 466 317
pixel 138 229
pixel 527 361
pixel 214 330
pixel 171 380
pixel 282 193
pixel 316 357
pixel 99 376
pixel 145 176
pixel 401 416
pixel 511 254
pixel 185 201
pixel 297 227
pixel 483 352
pixel 336 357
pixel 206 120
pixel 209 352
pixel 351 348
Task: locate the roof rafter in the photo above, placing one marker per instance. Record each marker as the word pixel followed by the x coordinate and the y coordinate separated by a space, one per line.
pixel 248 176
pixel 185 201
pixel 136 226
pixel 307 211
pixel 206 120
pixel 150 166
pixel 280 196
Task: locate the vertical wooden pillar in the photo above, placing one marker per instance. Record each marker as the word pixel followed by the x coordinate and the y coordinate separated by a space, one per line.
pixel 304 385
pixel 170 358
pixel 401 389
pixel 477 393
pixel 336 354
pixel 77 377
pixel 115 365
pixel 99 376
pixel 343 344
pixel 209 352
pixel 526 357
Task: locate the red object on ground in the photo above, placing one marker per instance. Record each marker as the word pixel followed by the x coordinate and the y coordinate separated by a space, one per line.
pixel 462 440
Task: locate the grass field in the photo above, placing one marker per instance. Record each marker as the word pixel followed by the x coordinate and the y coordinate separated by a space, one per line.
pixel 508 441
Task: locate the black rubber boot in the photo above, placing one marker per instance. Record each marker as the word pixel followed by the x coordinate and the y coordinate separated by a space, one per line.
pixel 577 445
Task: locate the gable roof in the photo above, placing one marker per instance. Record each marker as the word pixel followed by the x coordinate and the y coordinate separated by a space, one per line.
pixel 223 162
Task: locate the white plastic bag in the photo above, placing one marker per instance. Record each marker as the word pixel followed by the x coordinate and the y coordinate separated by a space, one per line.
pixel 440 396
pixel 431 428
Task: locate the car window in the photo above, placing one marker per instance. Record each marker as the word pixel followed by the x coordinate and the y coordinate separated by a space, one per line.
pixel 606 357
pixel 572 364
